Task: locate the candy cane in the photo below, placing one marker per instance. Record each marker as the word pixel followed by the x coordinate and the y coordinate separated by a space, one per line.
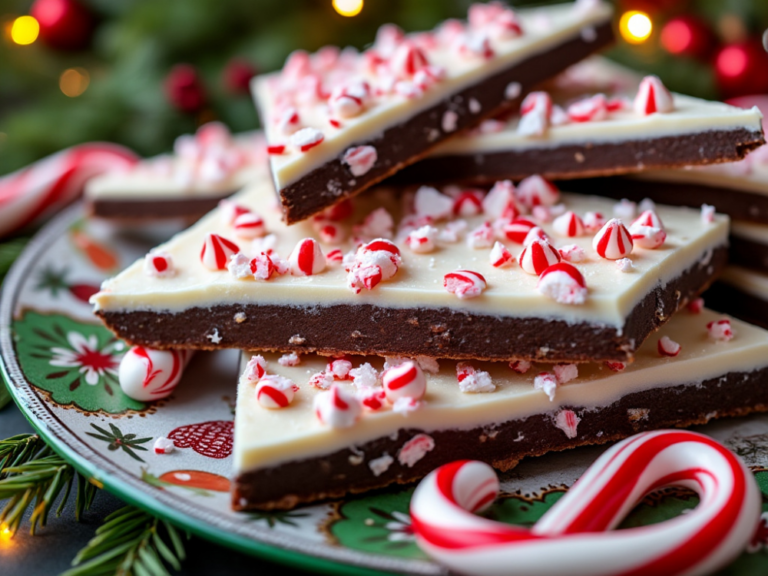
pixel 146 374
pixel 572 537
pixel 53 181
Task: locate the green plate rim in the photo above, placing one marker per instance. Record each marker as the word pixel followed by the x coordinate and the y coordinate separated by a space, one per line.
pixel 341 561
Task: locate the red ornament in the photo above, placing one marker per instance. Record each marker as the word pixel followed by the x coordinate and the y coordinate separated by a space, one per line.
pixel 741 69
pixel 184 88
pixel 64 24
pixel 237 76
pixel 687 35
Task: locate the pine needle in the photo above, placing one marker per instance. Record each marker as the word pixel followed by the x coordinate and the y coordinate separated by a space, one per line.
pixel 34 477
pixel 130 542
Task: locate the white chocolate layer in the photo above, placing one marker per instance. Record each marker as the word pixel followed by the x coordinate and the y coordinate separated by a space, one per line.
pixel 419 282
pixel 543 29
pixel 266 438
pixel 749 281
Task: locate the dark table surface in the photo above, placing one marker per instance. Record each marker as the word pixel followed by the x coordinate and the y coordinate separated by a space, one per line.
pixel 52 549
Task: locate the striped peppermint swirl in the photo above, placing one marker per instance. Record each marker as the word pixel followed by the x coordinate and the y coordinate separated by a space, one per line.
pixel 146 374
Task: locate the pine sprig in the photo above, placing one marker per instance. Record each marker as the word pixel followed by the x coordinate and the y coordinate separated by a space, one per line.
pixel 130 543
pixel 33 476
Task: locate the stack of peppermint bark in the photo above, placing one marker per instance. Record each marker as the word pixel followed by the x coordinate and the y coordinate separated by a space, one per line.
pixel 468 307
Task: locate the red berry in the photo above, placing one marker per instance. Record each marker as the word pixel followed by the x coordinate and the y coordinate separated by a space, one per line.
pixel 184 88
pixel 237 76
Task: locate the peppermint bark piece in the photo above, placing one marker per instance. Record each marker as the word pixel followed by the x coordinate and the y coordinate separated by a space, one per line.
pixel 599 119
pixel 376 294
pixel 339 121
pixel 742 292
pixel 203 169
pixel 508 419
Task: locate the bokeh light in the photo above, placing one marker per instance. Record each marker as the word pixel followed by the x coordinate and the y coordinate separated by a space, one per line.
pixel 74 81
pixel 731 61
pixel 635 26
pixel 24 30
pixel 348 7
pixel 676 37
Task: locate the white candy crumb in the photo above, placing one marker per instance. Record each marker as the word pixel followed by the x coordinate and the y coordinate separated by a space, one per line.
pixel 428 364
pixel 163 445
pixel 512 90
pixel 547 383
pixel 477 382
pixel 215 338
pixel 415 449
pixel 291 359
pixel 381 464
pixel 624 265
pixel 365 376
pixel 564 373
pixel 707 214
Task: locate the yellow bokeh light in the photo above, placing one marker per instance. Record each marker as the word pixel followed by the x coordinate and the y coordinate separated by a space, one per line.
pixel 24 30
pixel 635 26
pixel 74 81
pixel 348 7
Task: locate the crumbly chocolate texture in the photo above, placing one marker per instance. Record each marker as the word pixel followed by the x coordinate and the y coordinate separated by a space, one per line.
pixel 154 207
pixel 728 299
pixel 748 253
pixel 405 143
pixel 739 205
pixel 502 445
pixel 585 160
pixel 437 332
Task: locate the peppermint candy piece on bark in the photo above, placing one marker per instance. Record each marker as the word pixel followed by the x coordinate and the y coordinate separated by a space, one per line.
pixel 262 266
pixel 360 159
pixel 431 203
pixel 349 100
pixel 535 112
pixel 613 241
pixel 720 330
pixel 334 257
pixel 564 373
pixel 378 223
pixel 591 109
pixel 696 306
pixel 568 225
pixel 321 380
pixel 330 233
pixel 289 359
pixel 648 218
pixel 415 449
pixel 404 380
pixel 500 201
pixel 593 221
pixel 563 283
pixel 538 256
pixel 274 392
pixel 464 283
pixel 707 214
pixel 472 381
pixel 535 233
pixel 668 347
pixel 422 240
pixel 288 122
pixel 568 422
pixel 468 203
pixel 573 253
pixel 500 256
pixel 624 265
pixel 653 96
pixel 255 369
pixel 407 60
pixel 537 191
pixel 520 366
pixel 159 264
pixel 616 366
pixel 647 237
pixel 216 251
pixel 372 399
pixel 307 258
pixel 230 211
pixel 547 383
pixel 625 209
pixel 481 237
pixel 306 139
pixel 337 407
pixel 517 230
pixel 249 226
pixel 377 261
pixel 340 369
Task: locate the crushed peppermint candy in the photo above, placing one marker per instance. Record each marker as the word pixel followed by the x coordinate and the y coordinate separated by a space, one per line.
pixel 500 257
pixel 415 449
pixel 464 283
pixel 340 369
pixel 422 240
pixel 720 330
pixel 306 139
pixel 668 347
pixel 291 359
pixel 472 381
pixel 255 369
pixel 546 382
pixel 568 422
pixel 564 373
pixel 481 237
pixel 707 214
pixel 520 366
pixel 360 159
pixel 322 380
pixel 163 445
pixel 365 376
pixel 573 253
pixel 159 264
pixel 381 464
pixel 624 265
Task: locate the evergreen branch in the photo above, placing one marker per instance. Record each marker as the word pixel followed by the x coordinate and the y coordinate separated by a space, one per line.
pixel 33 476
pixel 130 542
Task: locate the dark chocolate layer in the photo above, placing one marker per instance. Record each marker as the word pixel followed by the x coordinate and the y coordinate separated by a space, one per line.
pixel 748 253
pixel 737 204
pixel 154 207
pixel 503 445
pixel 438 332
pixel 584 160
pixel 728 299
pixel 405 143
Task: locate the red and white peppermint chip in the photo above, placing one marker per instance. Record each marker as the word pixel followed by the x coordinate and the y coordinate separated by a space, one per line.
pixel 520 366
pixel 536 100
pixel 464 283
pixel 415 449
pixel 653 96
pixel 321 380
pixel 668 347
pixel 591 109
pixel 334 257
pixel 468 203
pixel 480 15
pixel 372 399
pixel 547 383
pixel 290 359
pixel 517 230
pixel 563 283
pixel 378 223
pixel 360 159
pixel 337 407
pixel 288 122
pixel 230 211
pixel 481 237
pixel 569 225
pixel 348 101
pixel 262 266
pixel 452 231
pixel 276 149
pixel 377 261
pixel 613 241
pixel 568 422
pixel 404 380
pixel 306 139
pixel 541 213
pixel 474 45
pixel 249 226
pixel 429 202
pixel 472 381
pixel 388 38
pixel 535 233
pixel 330 233
pixel 274 392
pixel 422 240
pixel 296 66
pixel 647 237
pixel 616 366
pixel 625 209
pixel 720 330
pixel 239 266
pixel 500 201
pixel 307 258
pixel 535 113
pixel 707 214
pixel 573 253
pixel 163 445
pixel 565 372
pixel 255 369
pixel 624 265
pixel 500 256
pixel 505 26
pixel 696 306
pixel 648 218
pixel 593 221
pixel 339 368
pixel 159 264
pixel 216 251
pixel 407 60
pixel 538 256
pixel 537 191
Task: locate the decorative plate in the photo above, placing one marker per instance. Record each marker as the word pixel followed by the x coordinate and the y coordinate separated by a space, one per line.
pixel 60 365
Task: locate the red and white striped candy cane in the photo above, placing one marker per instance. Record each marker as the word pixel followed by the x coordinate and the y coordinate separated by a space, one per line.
pixel 574 536
pixel 56 180
pixel 146 374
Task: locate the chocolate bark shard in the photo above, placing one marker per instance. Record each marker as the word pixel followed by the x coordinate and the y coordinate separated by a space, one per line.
pixel 695 132
pixel 743 293
pixel 401 116
pixel 707 379
pixel 412 313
